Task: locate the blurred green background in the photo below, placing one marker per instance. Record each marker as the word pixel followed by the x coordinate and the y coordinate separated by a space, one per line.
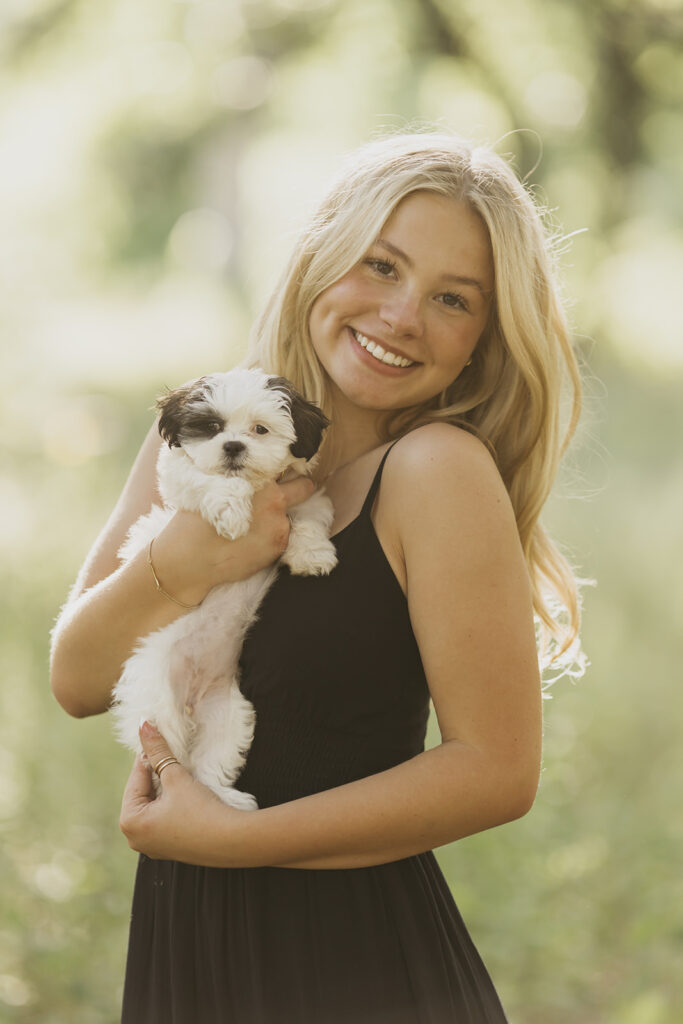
pixel 155 160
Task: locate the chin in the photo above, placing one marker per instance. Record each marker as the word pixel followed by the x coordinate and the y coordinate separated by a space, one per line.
pixel 226 435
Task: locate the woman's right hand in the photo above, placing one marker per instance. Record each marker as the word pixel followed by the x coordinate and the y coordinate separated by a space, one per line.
pixel 190 557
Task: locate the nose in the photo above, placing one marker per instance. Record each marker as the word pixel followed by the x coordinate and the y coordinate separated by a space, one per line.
pixel 402 312
pixel 232 448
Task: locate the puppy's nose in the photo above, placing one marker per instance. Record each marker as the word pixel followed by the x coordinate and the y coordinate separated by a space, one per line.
pixel 232 448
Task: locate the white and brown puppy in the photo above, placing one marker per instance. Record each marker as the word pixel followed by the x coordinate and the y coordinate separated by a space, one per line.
pixel 227 434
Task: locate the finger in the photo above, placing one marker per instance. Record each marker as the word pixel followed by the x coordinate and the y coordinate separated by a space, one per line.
pixel 139 788
pixel 298 490
pixel 156 748
pixel 137 797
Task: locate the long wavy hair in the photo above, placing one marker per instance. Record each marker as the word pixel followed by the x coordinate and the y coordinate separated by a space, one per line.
pixel 522 392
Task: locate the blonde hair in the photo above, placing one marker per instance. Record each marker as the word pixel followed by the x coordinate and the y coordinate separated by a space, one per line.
pixel 521 395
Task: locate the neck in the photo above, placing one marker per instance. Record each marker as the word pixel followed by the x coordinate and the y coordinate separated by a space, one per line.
pixel 353 432
pixel 349 445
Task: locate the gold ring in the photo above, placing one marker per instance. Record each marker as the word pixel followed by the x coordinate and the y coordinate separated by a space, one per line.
pixel 164 763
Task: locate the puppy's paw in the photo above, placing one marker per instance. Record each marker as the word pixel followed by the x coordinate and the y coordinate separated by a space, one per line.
pixel 227 506
pixel 316 560
pixel 232 522
pixel 236 798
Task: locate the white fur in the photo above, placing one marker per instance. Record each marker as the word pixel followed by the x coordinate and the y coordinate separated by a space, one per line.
pixel 184 677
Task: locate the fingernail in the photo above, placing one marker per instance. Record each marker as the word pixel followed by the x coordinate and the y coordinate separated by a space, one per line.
pixel 147 729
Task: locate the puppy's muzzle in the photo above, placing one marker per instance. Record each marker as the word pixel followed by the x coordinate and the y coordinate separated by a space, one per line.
pixel 234 453
pixel 232 448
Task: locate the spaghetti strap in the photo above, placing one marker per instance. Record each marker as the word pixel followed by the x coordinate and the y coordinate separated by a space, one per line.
pixel 374 486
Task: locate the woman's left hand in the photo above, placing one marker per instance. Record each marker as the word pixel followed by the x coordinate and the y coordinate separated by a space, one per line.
pixel 184 821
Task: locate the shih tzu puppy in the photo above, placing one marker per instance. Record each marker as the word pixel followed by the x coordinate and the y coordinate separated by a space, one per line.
pixel 227 434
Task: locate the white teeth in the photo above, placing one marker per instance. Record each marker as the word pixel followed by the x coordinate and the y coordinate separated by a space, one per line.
pixel 391 358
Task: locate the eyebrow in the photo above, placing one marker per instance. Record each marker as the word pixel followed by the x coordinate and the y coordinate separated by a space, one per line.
pixel 448 277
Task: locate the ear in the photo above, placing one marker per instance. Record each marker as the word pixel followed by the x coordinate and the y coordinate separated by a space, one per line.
pixel 173 407
pixel 308 419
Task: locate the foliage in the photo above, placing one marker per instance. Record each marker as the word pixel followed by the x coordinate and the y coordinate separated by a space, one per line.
pixel 156 159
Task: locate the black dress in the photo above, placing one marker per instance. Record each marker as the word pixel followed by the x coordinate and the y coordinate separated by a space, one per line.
pixel 334 672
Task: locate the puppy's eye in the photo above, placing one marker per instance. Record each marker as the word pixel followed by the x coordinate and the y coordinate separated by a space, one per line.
pixel 260 429
pixel 214 427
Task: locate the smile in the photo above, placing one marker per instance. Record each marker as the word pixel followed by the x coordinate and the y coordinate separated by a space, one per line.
pixel 382 355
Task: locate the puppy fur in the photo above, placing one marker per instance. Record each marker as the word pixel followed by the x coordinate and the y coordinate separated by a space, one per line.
pixel 227 434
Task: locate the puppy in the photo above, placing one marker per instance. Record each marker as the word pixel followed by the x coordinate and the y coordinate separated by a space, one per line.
pixel 227 434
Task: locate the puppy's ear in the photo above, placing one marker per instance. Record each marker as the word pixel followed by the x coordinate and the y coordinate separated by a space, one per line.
pixel 173 408
pixel 308 419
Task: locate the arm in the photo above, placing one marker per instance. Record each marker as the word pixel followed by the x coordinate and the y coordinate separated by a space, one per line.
pixel 138 495
pixel 470 606
pixel 108 606
pixel 113 605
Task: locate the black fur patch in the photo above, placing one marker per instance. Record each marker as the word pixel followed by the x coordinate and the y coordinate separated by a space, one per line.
pixel 173 406
pixel 308 419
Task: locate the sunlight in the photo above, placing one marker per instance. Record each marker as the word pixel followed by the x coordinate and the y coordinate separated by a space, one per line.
pixel 556 98
pixel 242 83
pixel 449 93
pixel 14 991
pixel 638 289
pixel 59 878
pixel 17 515
pixel 201 240
pixel 158 160
pixel 77 428
pixel 182 323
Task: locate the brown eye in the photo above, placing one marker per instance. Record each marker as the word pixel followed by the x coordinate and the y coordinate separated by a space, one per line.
pixel 214 427
pixel 260 429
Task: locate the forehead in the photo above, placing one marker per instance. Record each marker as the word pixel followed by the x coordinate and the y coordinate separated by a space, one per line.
pixel 441 235
pixel 242 398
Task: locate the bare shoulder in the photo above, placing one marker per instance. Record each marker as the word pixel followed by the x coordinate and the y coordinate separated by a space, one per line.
pixel 444 508
pixel 445 463
pixel 440 437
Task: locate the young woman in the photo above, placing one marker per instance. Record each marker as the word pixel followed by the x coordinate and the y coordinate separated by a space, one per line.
pixel 419 309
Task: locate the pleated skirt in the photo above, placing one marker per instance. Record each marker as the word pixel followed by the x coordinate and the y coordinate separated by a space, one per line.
pixel 377 945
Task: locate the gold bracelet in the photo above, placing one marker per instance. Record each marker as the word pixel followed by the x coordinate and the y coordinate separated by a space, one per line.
pixel 158 585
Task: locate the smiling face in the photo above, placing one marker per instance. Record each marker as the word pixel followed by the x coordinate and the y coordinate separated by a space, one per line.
pixel 400 326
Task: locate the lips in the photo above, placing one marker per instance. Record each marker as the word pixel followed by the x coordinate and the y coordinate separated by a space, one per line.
pixel 381 354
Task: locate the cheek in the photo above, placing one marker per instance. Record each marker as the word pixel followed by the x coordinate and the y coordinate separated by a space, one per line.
pixel 323 325
pixel 340 300
pixel 265 451
pixel 337 306
pixel 460 339
pixel 205 454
